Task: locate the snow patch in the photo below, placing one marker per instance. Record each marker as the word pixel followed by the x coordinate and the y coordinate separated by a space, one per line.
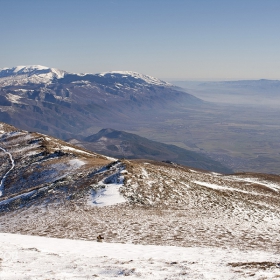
pixel 111 158
pixel 272 186
pixel 2 128
pixel 108 190
pixel 76 163
pixel 193 171
pixel 67 148
pixel 13 98
pixel 110 195
pixel 218 187
pixel 145 173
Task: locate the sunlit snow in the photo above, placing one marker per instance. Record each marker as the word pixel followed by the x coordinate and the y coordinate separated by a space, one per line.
pixel 32 257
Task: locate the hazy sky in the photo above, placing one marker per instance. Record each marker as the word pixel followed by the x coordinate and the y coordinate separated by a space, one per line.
pixel 168 39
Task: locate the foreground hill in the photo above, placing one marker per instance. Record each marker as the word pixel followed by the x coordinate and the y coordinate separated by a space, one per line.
pixel 51 188
pixel 121 144
pixel 35 167
pixel 63 104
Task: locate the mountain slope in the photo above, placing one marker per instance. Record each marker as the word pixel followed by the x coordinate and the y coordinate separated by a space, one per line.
pixel 121 144
pixel 52 101
pixel 46 169
pixel 35 74
pixel 56 190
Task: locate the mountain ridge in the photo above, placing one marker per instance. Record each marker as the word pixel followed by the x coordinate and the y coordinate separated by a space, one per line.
pixel 64 104
pixel 51 73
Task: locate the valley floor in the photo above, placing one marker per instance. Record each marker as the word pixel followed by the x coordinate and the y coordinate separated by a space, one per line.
pixel 33 257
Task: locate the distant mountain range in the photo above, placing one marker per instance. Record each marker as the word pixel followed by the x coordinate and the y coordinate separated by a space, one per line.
pixel 253 92
pixel 65 104
pixel 121 144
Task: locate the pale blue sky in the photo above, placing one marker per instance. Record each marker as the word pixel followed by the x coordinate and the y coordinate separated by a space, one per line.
pixel 168 39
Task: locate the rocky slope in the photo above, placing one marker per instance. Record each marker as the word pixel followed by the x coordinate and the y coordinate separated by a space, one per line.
pixel 58 190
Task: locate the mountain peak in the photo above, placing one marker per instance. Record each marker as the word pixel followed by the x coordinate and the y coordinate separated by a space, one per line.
pixel 28 68
pixel 135 75
pixel 38 74
pixel 106 130
pixel 31 73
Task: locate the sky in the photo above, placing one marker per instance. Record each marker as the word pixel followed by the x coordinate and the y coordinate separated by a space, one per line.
pixel 167 39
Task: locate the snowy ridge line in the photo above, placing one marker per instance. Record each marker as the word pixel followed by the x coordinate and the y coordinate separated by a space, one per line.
pixel 71 148
pixel 41 74
pixel 226 188
pixel 273 186
pixel 9 200
pixel 148 79
pixel 24 193
pixel 32 73
pixel 103 169
pixel 7 173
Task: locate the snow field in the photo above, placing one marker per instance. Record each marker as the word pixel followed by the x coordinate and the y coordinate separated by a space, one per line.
pixel 30 257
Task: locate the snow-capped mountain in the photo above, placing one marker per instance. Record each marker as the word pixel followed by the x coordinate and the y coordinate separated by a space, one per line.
pixel 61 103
pixel 126 75
pixel 35 74
pixel 38 74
